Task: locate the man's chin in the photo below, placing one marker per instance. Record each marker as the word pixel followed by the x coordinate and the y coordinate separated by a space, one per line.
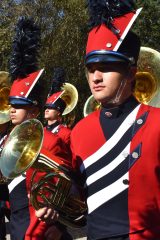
pixel 46 118
pixel 102 99
pixel 14 122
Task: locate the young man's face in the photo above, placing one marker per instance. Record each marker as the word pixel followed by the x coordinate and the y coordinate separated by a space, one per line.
pixel 20 113
pixel 51 114
pixel 105 80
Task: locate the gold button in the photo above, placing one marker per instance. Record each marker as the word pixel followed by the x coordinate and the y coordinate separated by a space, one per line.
pixel 22 93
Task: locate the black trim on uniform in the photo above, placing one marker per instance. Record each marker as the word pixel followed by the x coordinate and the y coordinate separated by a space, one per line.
pixel 52 126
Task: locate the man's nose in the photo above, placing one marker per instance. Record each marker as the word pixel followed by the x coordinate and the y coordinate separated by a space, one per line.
pixel 97 76
pixel 12 110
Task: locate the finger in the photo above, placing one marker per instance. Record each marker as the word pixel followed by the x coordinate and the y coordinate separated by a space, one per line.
pixel 55 216
pixel 41 212
pixel 51 214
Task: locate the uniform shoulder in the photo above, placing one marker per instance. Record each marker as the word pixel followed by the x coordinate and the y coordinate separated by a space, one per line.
pixel 65 128
pixel 86 122
pixel 49 136
pixel 155 110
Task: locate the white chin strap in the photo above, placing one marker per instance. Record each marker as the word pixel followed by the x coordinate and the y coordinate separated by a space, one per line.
pixel 115 100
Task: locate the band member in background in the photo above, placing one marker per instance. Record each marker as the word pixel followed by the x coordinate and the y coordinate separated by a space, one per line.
pixel 4 130
pixel 55 107
pixel 112 147
pixel 26 99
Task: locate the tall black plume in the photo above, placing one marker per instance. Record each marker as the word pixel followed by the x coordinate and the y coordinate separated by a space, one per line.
pixel 104 11
pixel 58 80
pixel 25 49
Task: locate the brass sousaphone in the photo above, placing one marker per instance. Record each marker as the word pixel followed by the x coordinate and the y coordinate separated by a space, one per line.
pixel 70 96
pixel 51 183
pixel 4 94
pixel 4 108
pixel 147 88
pixel 90 106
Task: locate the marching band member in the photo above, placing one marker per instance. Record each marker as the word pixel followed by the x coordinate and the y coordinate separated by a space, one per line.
pixel 26 99
pixel 55 107
pixel 116 149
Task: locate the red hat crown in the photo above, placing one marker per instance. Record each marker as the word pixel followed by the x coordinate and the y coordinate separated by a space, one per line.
pixel 102 38
pixel 53 98
pixel 106 37
pixel 22 88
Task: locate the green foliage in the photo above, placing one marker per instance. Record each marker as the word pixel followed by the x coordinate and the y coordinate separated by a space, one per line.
pixel 64 35
pixel 147 24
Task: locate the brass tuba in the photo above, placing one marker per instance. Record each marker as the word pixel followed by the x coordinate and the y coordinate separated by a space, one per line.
pixel 90 106
pixel 54 185
pixel 70 97
pixel 4 94
pixel 147 88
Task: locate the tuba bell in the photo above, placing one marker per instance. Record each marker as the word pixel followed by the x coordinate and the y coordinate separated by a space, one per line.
pixel 54 185
pixel 70 97
pixel 90 106
pixel 147 87
pixel 4 94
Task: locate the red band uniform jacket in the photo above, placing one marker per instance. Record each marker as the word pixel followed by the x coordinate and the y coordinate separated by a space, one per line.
pixel 121 175
pixel 63 133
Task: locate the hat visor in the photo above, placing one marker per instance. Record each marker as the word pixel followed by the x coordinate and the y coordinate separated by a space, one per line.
pixel 106 56
pixel 50 106
pixel 20 101
pixel 53 106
